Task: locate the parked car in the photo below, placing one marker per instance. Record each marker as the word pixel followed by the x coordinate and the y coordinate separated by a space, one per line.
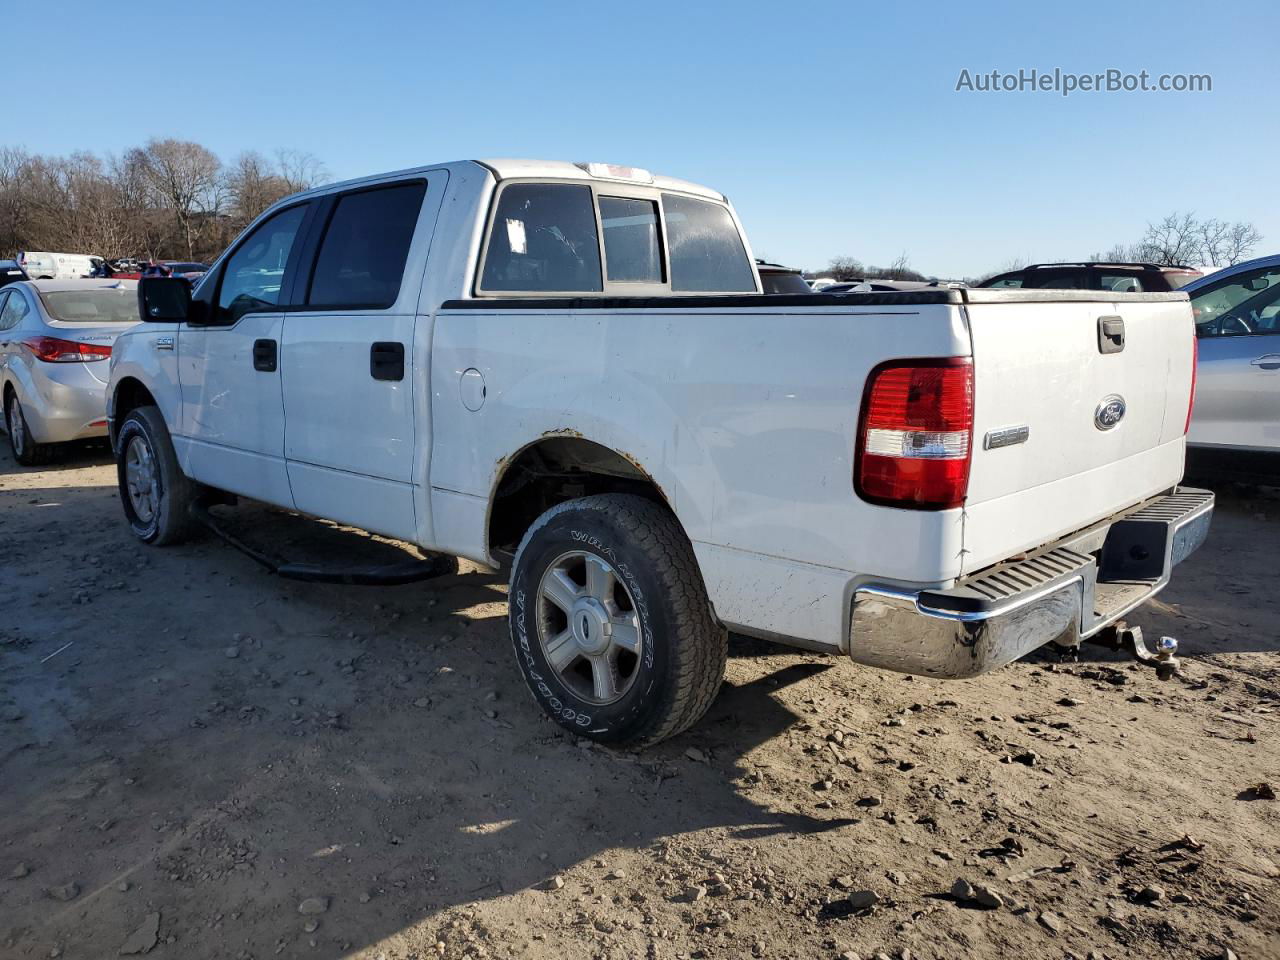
pixel 54 335
pixel 1237 415
pixel 1120 277
pixel 775 278
pixel 182 268
pixel 57 266
pixel 11 272
pixel 457 356
pixel 884 286
pixel 820 283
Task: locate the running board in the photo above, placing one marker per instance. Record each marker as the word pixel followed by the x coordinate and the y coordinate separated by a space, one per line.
pixel 367 575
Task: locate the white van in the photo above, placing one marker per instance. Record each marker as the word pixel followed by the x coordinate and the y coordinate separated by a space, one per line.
pixel 57 266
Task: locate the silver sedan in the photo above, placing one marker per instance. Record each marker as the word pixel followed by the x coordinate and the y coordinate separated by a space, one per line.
pixel 54 338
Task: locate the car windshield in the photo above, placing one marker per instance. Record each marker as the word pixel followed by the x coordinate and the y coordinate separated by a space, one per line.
pixel 99 305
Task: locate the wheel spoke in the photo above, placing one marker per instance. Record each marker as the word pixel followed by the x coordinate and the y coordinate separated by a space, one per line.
pixel 561 590
pixel 626 633
pixel 604 680
pixel 561 651
pixel 599 580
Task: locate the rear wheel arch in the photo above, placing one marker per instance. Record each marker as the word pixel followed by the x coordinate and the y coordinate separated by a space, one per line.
pixel 553 469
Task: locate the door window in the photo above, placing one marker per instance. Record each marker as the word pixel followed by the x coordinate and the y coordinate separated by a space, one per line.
pixel 1241 306
pixel 707 255
pixel 631 249
pixel 543 239
pixel 365 247
pixel 254 275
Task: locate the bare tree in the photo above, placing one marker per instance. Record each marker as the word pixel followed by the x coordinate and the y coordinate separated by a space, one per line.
pixel 253 185
pixel 845 269
pixel 1174 240
pixel 1241 239
pixel 185 178
pixel 300 170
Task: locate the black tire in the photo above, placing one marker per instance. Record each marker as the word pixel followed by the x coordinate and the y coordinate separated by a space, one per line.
pixel 25 450
pixel 683 649
pixel 170 519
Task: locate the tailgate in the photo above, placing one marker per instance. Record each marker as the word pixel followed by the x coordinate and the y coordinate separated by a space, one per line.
pixel 1103 430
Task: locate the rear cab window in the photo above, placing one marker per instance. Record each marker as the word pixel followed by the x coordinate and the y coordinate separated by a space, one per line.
pixel 361 260
pixel 569 239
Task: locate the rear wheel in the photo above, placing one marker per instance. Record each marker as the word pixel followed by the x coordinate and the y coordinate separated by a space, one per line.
pixel 611 623
pixel 25 450
pixel 155 493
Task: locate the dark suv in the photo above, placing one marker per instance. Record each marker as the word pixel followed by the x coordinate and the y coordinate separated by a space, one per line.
pixel 1117 277
pixel 11 272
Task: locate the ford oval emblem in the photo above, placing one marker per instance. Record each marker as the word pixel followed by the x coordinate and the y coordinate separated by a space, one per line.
pixel 1110 412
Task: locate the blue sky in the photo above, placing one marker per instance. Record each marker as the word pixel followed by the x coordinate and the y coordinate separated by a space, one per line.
pixel 835 128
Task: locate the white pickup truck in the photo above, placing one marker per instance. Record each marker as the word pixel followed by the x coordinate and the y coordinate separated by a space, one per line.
pixel 570 369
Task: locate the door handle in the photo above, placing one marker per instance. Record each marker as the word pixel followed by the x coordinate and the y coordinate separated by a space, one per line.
pixel 386 361
pixel 1268 361
pixel 265 356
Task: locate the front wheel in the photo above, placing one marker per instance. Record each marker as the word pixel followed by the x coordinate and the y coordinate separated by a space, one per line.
pixel 155 493
pixel 611 623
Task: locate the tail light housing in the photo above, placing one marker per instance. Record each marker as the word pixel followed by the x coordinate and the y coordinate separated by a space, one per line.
pixel 915 434
pixel 56 350
pixel 1191 400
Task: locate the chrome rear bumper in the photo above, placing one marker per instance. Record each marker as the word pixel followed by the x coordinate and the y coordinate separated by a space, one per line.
pixel 1065 592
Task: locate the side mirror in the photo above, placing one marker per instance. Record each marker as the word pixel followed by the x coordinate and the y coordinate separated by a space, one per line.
pixel 164 299
pixel 1258 283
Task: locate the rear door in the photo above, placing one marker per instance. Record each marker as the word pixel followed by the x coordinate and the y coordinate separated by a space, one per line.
pixel 1069 426
pixel 231 428
pixel 1238 390
pixel 349 379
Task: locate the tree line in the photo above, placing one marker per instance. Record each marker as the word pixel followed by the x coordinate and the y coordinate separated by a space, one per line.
pixel 170 199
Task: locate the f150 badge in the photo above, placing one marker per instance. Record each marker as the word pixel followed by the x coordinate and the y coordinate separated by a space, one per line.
pixel 1110 412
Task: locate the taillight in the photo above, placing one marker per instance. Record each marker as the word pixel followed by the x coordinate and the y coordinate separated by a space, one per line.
pixel 1191 401
pixel 915 434
pixel 54 350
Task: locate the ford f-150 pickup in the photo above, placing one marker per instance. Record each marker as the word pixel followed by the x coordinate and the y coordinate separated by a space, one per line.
pixel 570 369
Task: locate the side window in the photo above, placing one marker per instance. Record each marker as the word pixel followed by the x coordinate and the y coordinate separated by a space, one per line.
pixel 1008 280
pixel 365 246
pixel 254 274
pixel 631 249
pixel 543 238
pixel 14 310
pixel 4 321
pixel 1057 280
pixel 707 255
pixel 1119 282
pixel 1244 305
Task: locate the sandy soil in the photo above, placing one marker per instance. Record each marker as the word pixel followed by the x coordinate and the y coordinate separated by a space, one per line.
pixel 198 760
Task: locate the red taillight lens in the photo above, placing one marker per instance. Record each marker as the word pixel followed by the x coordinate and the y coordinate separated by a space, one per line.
pixel 915 434
pixel 1191 401
pixel 54 350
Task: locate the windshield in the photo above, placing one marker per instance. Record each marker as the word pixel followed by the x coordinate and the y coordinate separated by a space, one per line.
pixel 100 305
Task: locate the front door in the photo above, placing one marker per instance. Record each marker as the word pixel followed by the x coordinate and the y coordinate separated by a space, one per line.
pixel 1238 382
pixel 231 433
pixel 350 382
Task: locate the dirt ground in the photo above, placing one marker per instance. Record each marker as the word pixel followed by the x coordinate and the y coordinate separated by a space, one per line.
pixel 199 760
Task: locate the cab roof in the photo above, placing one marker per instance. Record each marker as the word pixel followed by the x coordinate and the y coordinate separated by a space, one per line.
pixel 509 168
